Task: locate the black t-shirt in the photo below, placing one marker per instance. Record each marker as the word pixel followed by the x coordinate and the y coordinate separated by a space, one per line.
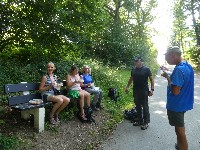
pixel 140 78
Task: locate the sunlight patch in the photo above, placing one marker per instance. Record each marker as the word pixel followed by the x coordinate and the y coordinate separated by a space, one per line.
pixel 162 104
pixel 159 112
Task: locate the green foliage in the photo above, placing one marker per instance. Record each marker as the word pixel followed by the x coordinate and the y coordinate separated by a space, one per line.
pixel 2 122
pixel 9 143
pixel 2 112
pixel 194 53
pixel 186 35
pixel 52 128
pixel 68 113
pixel 54 30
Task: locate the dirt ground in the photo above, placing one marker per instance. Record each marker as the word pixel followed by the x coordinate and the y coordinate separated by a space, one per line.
pixel 69 135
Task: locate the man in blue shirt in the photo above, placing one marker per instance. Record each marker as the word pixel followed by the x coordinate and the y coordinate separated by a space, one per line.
pixel 180 93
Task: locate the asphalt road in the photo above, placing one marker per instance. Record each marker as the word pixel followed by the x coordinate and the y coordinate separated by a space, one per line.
pixel 160 135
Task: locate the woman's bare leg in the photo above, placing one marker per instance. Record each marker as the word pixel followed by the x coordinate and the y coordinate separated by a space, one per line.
pixel 82 103
pixel 65 102
pixel 58 102
pixel 87 97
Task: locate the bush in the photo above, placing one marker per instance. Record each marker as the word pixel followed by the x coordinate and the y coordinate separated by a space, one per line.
pixel 9 143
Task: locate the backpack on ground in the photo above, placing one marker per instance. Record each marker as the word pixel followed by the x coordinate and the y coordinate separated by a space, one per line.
pixel 113 94
pixel 131 115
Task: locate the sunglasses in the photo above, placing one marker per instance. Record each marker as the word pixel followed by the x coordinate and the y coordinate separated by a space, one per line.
pixel 137 60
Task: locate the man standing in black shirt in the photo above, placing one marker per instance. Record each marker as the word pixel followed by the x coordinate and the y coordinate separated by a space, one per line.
pixel 139 76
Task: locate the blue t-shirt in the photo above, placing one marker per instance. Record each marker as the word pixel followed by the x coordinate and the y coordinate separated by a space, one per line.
pixel 182 76
pixel 87 78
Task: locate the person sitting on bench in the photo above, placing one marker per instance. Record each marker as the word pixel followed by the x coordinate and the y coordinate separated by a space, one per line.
pixel 88 85
pixel 73 82
pixel 47 89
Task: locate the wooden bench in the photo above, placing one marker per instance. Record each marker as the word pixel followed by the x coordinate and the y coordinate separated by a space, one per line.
pixel 19 96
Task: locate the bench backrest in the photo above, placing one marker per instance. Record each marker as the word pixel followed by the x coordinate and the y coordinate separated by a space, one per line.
pixel 15 92
pixel 16 96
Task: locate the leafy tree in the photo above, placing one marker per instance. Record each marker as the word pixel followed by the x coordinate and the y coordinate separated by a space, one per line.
pixel 46 26
pixel 110 30
pixel 127 33
pixel 187 36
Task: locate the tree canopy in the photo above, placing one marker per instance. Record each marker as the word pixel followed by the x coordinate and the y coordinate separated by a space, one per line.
pixel 186 28
pixel 110 30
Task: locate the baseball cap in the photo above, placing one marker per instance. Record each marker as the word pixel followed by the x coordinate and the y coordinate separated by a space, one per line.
pixel 138 57
pixel 174 49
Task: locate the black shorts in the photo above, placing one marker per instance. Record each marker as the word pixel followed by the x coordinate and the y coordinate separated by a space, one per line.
pixel 176 118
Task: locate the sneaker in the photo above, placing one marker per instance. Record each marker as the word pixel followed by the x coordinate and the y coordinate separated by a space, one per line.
pixel 94 108
pixel 137 123
pixel 176 146
pixel 98 105
pixel 144 126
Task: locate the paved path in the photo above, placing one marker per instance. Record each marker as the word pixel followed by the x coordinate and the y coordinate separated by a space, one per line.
pixel 160 135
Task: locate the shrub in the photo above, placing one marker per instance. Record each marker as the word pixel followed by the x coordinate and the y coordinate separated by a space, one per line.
pixel 9 143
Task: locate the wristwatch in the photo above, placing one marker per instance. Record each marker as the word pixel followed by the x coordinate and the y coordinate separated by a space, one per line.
pixel 152 89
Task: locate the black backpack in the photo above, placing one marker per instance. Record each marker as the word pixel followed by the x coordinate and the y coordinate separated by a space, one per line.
pixel 131 115
pixel 113 94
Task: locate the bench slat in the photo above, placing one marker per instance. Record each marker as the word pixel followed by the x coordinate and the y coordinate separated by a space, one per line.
pixel 11 88
pixel 20 102
pixel 28 106
pixel 23 99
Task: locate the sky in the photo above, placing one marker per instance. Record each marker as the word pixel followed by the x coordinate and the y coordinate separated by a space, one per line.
pixel 163 24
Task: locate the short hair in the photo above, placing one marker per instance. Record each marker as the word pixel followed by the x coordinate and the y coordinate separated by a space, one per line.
pixel 173 49
pixel 138 57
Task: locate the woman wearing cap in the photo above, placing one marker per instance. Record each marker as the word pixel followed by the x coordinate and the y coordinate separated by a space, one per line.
pixel 74 82
pixel 88 85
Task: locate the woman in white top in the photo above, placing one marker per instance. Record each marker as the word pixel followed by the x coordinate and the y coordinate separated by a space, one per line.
pixel 74 82
pixel 47 89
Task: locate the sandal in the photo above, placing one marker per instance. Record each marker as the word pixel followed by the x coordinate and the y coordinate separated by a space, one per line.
pixel 56 118
pixel 83 117
pixel 52 121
